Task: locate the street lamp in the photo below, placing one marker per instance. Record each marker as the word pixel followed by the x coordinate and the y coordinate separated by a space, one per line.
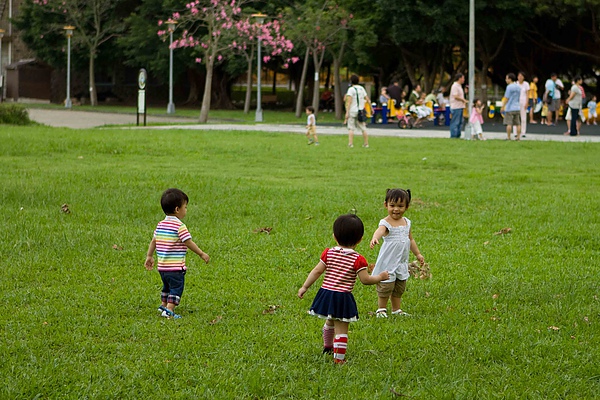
pixel 171 25
pixel 69 30
pixel 260 18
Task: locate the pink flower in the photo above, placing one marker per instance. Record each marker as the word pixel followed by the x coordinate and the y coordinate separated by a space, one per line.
pixel 160 22
pixel 198 60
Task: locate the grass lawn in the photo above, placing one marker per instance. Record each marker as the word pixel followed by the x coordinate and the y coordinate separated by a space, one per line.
pixel 513 315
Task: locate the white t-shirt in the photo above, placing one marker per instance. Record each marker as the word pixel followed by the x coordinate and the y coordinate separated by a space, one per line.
pixel 357 93
pixel 311 120
pixel 524 98
pixel 557 94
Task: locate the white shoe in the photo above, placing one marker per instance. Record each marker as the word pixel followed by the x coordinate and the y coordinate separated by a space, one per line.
pixel 401 313
pixel 381 313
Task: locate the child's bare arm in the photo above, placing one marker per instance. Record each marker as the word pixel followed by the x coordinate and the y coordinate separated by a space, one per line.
pixel 194 247
pixel 149 264
pixel 367 279
pixel 312 277
pixel 415 249
pixel 378 234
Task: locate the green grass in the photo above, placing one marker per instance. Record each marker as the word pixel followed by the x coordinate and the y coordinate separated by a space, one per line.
pixel 80 317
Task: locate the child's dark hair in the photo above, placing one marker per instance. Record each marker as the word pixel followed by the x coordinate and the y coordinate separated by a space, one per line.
pixel 311 109
pixel 171 199
pixel 396 195
pixel 348 230
pixel 475 101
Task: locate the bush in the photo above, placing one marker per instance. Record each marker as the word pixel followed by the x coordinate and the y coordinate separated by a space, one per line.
pixel 14 114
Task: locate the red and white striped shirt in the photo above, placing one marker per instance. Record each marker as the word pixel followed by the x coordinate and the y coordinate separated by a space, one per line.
pixel 343 266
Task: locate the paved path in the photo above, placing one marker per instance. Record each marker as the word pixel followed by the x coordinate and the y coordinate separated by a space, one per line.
pixel 84 119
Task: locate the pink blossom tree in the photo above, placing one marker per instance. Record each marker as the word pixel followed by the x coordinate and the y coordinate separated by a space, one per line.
pixel 216 29
pixel 94 22
pixel 272 39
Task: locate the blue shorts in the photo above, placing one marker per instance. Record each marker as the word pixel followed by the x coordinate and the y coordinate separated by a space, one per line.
pixel 173 283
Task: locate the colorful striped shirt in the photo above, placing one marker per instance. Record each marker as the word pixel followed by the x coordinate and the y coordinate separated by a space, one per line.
pixel 343 266
pixel 170 235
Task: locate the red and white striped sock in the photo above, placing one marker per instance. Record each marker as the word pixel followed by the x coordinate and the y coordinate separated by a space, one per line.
pixel 328 334
pixel 340 344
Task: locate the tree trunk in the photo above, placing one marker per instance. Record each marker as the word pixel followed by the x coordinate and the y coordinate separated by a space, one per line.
pixel 337 82
pixel 274 91
pixel 300 97
pixel 207 91
pixel 92 80
pixel 248 85
pixel 318 61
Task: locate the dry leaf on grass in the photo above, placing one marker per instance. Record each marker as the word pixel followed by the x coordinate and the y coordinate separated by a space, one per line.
pixel 266 229
pixel 117 247
pixel 65 208
pixel 503 231
pixel 214 321
pixel 370 267
pixel 553 328
pixel 271 309
pixel 417 270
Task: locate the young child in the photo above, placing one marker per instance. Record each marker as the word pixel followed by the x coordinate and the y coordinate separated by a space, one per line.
pixel 171 241
pixel 311 126
pixel 393 256
pixel 544 113
pixel 334 301
pixel 476 119
pixel 592 114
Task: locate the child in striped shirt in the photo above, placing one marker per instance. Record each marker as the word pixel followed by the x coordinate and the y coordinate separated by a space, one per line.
pixel 171 241
pixel 334 301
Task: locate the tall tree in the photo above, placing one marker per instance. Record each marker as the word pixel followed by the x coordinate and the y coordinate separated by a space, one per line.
pixel 95 21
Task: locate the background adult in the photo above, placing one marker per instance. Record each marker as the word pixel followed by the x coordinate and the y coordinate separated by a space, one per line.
pixel 395 92
pixel 550 88
pixel 457 105
pixel 511 106
pixel 355 100
pixel 574 102
pixel 523 102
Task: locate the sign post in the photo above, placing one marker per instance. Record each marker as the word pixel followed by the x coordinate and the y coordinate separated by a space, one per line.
pixel 141 103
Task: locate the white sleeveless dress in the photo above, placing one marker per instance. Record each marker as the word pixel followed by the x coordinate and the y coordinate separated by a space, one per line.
pixel 393 256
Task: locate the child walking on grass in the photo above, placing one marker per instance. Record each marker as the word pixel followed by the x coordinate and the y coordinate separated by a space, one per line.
pixel 334 301
pixel 171 241
pixel 311 126
pixel 476 119
pixel 393 256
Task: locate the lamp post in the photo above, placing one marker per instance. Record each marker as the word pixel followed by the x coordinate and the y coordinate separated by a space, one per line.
pixel 1 72
pixel 171 25
pixel 69 30
pixel 260 18
pixel 471 62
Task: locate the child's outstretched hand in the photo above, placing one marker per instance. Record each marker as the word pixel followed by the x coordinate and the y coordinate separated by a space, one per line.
pixel 205 257
pixel 373 242
pixel 149 264
pixel 384 276
pixel 301 292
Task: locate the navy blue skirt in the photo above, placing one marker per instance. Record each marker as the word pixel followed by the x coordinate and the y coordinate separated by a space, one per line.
pixel 334 305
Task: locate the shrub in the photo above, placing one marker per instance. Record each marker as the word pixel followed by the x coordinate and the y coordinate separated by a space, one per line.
pixel 14 114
